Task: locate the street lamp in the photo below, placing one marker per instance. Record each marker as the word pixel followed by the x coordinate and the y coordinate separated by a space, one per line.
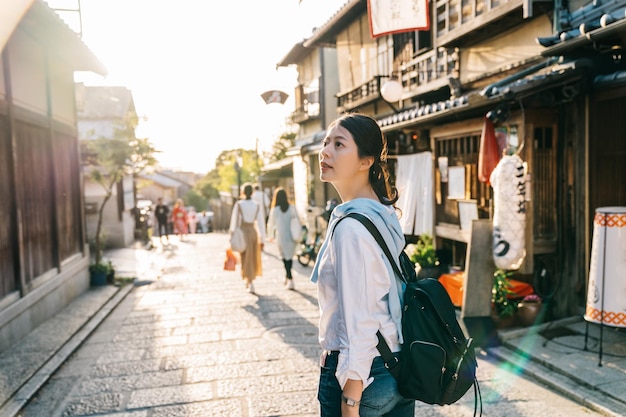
pixel 238 166
pixel 391 91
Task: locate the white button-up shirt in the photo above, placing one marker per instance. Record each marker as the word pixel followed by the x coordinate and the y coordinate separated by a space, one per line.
pixel 353 292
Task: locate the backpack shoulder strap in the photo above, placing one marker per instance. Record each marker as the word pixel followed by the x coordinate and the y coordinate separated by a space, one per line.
pixel 391 362
pixel 369 225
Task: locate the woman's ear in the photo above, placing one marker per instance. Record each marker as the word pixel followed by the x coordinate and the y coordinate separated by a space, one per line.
pixel 366 163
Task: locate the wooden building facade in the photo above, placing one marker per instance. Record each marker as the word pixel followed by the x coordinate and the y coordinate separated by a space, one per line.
pixel 43 255
pixel 550 79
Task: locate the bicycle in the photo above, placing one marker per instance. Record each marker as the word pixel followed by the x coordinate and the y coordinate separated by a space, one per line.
pixel 307 251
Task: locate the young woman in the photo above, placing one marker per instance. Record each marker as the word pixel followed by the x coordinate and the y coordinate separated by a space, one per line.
pixel 247 215
pixel 279 228
pixel 179 218
pixel 357 291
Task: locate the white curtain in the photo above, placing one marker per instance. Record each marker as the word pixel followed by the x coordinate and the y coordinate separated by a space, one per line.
pixel 414 180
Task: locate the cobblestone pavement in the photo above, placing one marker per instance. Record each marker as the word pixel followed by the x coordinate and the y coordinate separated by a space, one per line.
pixel 193 342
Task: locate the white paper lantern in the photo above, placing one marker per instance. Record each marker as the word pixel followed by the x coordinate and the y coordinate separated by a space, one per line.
pixel 606 294
pixel 509 218
pixel 391 90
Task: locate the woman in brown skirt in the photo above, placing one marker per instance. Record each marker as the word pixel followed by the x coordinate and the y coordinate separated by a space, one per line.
pixel 248 216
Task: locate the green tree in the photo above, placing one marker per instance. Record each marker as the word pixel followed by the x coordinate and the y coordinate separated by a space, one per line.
pixel 109 160
pixel 207 185
pixel 280 147
pixel 224 175
pixel 192 198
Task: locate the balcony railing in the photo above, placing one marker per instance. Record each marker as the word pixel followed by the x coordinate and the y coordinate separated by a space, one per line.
pixel 302 114
pixel 456 18
pixel 426 71
pixel 360 95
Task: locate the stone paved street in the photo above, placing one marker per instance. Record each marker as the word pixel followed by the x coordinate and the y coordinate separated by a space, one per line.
pixel 193 342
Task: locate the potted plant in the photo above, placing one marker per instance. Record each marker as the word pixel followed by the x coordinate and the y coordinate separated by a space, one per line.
pixel 504 307
pixel 100 273
pixel 529 310
pixel 423 254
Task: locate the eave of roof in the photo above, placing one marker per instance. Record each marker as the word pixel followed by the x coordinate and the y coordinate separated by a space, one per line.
pixel 431 111
pixel 608 27
pixel 311 139
pixel 162 180
pixel 616 78
pixel 523 85
pixel 326 34
pixel 297 53
pixel 278 165
pixel 12 13
pixel 276 170
pixel 557 75
pixel 41 22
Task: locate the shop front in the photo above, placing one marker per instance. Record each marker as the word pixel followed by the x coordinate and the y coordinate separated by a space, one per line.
pixel 525 116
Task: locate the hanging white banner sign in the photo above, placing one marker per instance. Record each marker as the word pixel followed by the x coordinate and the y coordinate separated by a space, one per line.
pixel 394 16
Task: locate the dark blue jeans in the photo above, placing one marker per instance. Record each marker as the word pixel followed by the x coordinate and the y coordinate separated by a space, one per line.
pixel 380 398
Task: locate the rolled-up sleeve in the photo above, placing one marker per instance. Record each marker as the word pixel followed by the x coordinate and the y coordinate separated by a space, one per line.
pixel 362 290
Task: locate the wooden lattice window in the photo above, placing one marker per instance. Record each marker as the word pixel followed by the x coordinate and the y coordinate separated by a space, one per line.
pixel 34 170
pixel 544 184
pixel 462 150
pixel 68 195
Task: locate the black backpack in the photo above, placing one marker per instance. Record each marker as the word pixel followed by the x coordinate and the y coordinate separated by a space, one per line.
pixel 437 364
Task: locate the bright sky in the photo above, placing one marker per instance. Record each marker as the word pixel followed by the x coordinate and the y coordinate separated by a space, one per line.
pixel 197 68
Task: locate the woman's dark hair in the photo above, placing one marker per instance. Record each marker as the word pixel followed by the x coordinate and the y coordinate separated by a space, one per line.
pixel 247 190
pixel 371 141
pixel 280 199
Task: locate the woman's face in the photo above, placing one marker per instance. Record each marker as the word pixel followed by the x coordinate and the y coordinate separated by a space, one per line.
pixel 339 157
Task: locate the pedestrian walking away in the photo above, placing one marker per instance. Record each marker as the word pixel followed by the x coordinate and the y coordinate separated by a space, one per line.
pixel 179 218
pixel 247 215
pixel 279 229
pixel 161 212
pixel 263 201
pixel 358 294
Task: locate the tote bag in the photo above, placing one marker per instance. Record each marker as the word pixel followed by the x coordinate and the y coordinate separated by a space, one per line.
pixel 237 241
